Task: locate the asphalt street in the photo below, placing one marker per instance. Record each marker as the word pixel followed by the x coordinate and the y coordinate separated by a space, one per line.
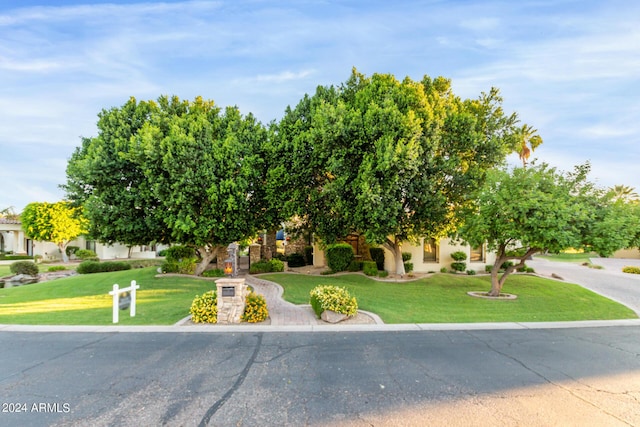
pixel 524 377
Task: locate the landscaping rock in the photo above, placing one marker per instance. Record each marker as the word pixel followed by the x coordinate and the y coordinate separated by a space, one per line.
pixel 332 317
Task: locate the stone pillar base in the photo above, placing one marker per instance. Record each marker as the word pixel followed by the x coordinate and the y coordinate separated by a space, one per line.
pixel 232 295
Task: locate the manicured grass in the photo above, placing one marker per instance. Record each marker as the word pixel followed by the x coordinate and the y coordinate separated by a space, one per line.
pixel 84 299
pixel 442 298
pixel 578 257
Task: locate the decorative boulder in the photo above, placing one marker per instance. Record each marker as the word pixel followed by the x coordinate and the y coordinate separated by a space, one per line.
pixel 332 317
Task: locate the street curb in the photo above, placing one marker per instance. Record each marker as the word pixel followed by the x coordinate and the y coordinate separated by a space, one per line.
pixel 243 328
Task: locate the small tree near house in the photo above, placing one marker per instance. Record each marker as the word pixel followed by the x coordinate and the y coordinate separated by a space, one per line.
pixel 530 210
pixel 58 222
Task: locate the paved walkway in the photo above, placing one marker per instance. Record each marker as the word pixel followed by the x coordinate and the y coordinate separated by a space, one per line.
pixel 281 312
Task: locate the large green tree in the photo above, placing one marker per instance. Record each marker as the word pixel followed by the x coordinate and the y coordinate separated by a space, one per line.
pixel 173 171
pixel 391 159
pixel 111 186
pixel 58 222
pixel 528 210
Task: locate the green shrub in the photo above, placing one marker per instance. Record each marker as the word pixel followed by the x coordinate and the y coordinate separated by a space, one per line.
pixel 339 256
pixel 163 253
pixel 89 267
pixel 377 254
pixel 383 273
pixel 282 257
pixel 406 256
pixel 255 309
pixel 263 266
pixel 408 267
pixel 216 272
pixel 334 298
pixel 459 256
pixel 631 270
pixel 204 308
pixel 70 250
pixel 277 266
pixel 183 266
pixel 506 265
pixel 370 268
pixel 57 268
pixel 296 260
pixel 488 268
pixel 471 272
pixel 444 270
pixel 24 267
pixel 459 266
pixel 85 254
pixel 9 257
pixel 308 255
pixel 143 263
pixel 356 265
pixel 179 252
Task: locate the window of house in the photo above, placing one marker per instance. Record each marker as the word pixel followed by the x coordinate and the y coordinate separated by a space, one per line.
pixel 477 254
pixel 90 245
pixel 431 251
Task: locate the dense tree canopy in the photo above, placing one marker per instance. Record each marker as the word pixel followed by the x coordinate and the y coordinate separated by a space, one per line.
pixel 112 187
pixel 534 209
pixel 53 222
pixel 391 159
pixel 177 171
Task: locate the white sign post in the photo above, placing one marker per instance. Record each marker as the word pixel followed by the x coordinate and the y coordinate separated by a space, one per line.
pixel 116 299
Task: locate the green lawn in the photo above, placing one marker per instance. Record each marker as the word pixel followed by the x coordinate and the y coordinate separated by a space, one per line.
pixel 442 298
pixel 84 299
pixel 578 257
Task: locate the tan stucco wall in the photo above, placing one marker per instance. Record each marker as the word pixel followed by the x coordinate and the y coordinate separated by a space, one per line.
pixel 445 260
pixel 446 247
pixel 631 253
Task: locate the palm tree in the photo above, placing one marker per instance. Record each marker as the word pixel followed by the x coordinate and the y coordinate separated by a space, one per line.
pixel 9 213
pixel 527 140
pixel 624 193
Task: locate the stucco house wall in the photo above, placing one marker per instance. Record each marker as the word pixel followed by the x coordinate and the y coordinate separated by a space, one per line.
pixel 444 249
pixel 630 253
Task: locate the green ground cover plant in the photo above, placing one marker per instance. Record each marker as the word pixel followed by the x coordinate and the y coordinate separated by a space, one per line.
pixel 442 298
pixel 84 299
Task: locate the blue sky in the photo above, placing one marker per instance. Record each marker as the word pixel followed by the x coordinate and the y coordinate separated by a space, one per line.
pixel 569 68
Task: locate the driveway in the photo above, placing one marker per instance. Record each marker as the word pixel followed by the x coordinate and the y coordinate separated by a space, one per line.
pixel 610 282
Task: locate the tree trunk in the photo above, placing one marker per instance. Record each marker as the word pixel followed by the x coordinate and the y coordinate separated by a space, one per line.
pixel 63 251
pixel 396 249
pixel 498 283
pixel 207 255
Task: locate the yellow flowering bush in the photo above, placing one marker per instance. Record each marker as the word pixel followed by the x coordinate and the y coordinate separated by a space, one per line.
pixel 204 308
pixel 334 298
pixel 255 309
pixel 631 269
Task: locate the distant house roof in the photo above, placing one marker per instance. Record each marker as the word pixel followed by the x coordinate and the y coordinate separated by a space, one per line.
pixel 9 221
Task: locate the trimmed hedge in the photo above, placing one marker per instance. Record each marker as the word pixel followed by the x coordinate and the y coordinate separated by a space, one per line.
pixel 339 256
pixel 272 266
pixel 296 260
pixel 370 268
pixel 377 254
pixel 356 265
pixel 90 267
pixel 14 257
